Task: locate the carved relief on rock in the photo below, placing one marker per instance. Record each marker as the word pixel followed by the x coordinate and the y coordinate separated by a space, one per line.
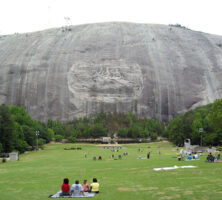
pixel 107 81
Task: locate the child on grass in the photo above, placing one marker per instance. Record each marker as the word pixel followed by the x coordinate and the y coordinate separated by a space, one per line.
pixel 94 187
pixel 65 187
pixel 85 186
pixel 77 189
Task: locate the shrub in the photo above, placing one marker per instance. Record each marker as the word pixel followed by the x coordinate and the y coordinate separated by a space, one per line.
pixel 153 136
pixel 72 139
pixel 41 142
pixel 219 148
pixel 58 138
pixel 22 146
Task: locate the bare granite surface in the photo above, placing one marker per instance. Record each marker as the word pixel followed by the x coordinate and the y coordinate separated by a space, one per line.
pixel 155 71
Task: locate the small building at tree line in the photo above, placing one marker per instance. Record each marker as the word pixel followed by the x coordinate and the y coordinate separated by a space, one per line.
pixel 13 156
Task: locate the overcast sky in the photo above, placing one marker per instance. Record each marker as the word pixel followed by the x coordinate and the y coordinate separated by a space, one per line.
pixel 32 15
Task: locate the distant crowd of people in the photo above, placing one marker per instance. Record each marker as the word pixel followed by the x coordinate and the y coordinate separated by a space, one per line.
pixel 77 189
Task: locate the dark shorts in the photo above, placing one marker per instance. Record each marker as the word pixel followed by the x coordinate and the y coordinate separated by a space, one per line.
pixel 64 194
pixel 93 192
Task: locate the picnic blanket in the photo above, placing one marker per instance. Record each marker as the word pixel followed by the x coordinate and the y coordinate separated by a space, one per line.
pixel 140 157
pixel 87 195
pixel 174 167
pixel 191 159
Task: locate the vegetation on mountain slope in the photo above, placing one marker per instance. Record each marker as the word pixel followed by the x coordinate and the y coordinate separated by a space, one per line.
pixel 18 130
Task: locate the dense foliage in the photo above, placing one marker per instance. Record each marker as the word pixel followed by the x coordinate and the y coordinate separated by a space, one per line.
pixel 18 130
pixel 202 125
pixel 107 124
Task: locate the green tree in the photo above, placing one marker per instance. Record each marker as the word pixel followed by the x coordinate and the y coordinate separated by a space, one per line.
pixel 6 129
pixel 72 139
pixel 29 134
pixel 19 142
pixel 68 128
pixel 58 138
pixel 1 148
pixel 43 130
pixel 153 136
pixel 215 120
pixel 86 131
pixel 175 131
pixel 97 130
pixel 195 127
pixel 41 142
pixel 122 132
pixel 51 133
pixel 211 139
pixel 56 126
pixel 19 115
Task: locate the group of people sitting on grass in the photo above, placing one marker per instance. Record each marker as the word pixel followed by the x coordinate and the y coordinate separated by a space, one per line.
pixel 77 189
pixel 211 158
pixel 194 157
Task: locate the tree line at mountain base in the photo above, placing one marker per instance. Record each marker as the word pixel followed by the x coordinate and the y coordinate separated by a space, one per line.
pixel 18 131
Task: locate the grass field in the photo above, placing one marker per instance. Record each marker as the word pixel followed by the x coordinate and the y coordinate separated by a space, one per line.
pixel 39 174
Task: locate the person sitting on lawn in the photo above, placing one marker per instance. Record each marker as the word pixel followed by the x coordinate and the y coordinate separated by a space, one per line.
pixel 210 158
pixel 190 157
pixel 94 187
pixel 85 186
pixel 65 187
pixel 77 189
pixel 196 157
pixel 218 156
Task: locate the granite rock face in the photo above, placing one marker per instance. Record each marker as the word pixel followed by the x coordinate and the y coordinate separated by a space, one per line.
pixel 155 71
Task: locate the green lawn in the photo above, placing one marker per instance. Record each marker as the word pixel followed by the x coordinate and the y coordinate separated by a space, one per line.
pixel 39 174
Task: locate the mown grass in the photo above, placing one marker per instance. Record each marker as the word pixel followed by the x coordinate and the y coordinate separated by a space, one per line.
pixel 39 174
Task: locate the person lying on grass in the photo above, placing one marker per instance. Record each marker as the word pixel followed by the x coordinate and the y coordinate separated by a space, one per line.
pixel 94 187
pixel 77 189
pixel 65 187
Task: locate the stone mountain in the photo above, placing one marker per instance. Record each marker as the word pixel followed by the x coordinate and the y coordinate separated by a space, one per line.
pixel 155 71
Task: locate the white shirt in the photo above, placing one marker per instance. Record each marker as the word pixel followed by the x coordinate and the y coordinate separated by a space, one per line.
pixel 77 188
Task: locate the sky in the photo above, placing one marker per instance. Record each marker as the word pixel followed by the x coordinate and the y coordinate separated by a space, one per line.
pixel 20 16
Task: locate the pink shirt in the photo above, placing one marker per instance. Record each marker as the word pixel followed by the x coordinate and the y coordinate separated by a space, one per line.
pixel 86 187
